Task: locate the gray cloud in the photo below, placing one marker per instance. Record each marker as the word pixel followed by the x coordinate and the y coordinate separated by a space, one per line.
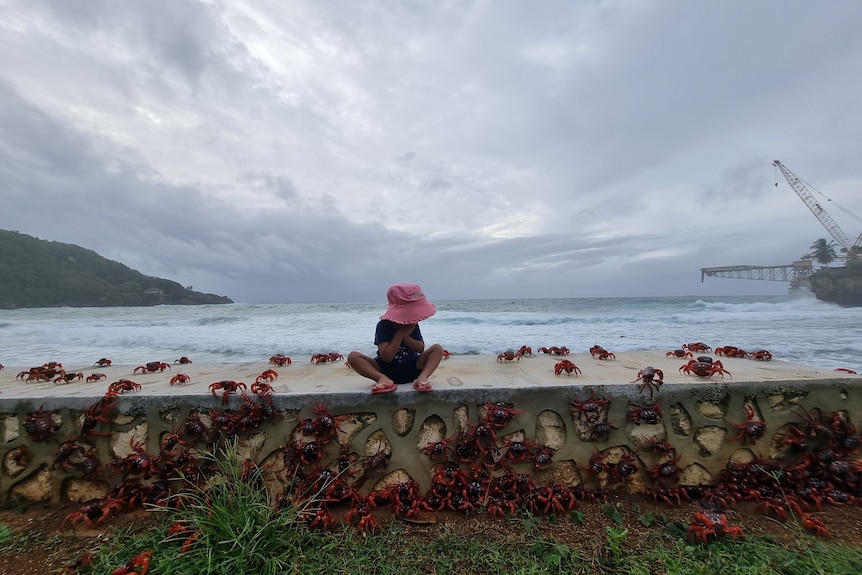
pixel 308 152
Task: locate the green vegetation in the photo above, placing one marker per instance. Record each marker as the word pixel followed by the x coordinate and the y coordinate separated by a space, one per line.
pixel 40 273
pixel 823 251
pixel 234 547
pixel 233 527
pixel 842 285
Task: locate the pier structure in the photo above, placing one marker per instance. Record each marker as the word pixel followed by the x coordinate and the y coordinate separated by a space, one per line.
pixel 796 274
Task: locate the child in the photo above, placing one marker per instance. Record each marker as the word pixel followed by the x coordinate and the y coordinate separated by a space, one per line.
pixel 401 353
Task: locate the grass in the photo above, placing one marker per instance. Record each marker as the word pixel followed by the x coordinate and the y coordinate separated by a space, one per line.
pixel 230 526
pixel 241 531
pixel 5 534
pixel 390 552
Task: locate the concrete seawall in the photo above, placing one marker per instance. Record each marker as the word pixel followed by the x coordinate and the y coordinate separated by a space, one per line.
pixel 552 427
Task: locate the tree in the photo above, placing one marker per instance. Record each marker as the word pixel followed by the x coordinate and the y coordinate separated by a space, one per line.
pixel 823 252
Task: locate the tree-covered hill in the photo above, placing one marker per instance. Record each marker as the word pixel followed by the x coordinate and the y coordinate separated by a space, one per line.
pixel 841 285
pixel 41 273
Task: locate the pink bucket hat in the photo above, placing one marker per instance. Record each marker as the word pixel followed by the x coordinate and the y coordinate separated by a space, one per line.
pixel 407 304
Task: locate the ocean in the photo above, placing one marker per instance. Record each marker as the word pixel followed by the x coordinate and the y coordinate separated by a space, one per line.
pixel 805 331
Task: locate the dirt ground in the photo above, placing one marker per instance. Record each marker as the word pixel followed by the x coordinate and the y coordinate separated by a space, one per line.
pixel 40 546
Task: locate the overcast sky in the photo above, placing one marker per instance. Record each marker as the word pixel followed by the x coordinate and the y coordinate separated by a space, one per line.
pixel 281 150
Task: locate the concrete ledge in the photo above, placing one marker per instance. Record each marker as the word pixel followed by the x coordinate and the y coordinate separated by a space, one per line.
pixel 457 378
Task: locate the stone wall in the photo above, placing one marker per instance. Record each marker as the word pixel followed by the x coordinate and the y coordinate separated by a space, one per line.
pixel 608 436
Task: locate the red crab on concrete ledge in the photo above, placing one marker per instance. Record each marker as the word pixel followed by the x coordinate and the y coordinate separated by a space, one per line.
pixel 568 367
pixel 704 367
pixel 153 366
pixel 227 387
pixel 510 355
pixel 650 378
pixel 599 352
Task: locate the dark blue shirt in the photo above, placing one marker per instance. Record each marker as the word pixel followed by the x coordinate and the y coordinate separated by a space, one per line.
pixel 385 332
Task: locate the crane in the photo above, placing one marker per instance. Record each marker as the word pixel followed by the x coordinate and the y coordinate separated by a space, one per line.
pixel 806 196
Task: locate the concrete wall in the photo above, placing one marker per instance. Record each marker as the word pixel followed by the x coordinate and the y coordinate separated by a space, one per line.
pixel 383 439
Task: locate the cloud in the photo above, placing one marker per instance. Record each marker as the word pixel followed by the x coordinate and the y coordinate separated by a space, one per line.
pixel 311 152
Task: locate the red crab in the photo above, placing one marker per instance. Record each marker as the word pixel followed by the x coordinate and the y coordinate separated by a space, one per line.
pixel 180 378
pixel 261 387
pixel 518 451
pixel 656 446
pixel 85 559
pixel 681 353
pixel 227 387
pixel 267 375
pixel 627 466
pixel 96 377
pixel 650 414
pixel 319 518
pixel 193 428
pixel 697 347
pixel 99 411
pixel 324 424
pixel 69 377
pixel 187 529
pixel 510 355
pixel 104 362
pixel 122 385
pixel 730 351
pixel 545 456
pixel 325 357
pixel 704 367
pixel 650 378
pixel 41 426
pixel 92 513
pixel 597 465
pixel 153 366
pixel 280 359
pixel 599 430
pixel 182 360
pixel 666 471
pixel 65 450
pixel 589 409
pixel 438 451
pixel 599 352
pixel 367 522
pixel 815 525
pixel 139 564
pixel 751 429
pixel 554 350
pixel 845 370
pixel 138 462
pixel 760 355
pixel 39 374
pixel 709 523
pixel 498 415
pixel 568 367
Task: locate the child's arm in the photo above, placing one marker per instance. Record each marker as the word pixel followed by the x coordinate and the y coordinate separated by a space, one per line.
pixel 387 349
pixel 416 345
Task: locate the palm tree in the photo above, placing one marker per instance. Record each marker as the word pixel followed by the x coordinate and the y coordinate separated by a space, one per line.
pixel 823 252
